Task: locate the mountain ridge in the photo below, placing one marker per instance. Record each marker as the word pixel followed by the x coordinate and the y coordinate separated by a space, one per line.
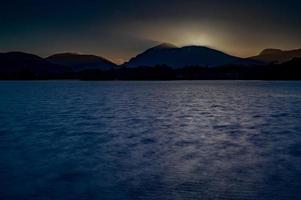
pixel 164 59
pixel 80 62
pixel 20 65
pixel 177 57
pixel 271 55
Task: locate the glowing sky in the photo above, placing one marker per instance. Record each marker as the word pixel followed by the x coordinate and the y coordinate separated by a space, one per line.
pixel 119 29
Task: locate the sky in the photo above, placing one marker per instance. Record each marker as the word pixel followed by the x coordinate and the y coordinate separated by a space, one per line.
pixel 120 29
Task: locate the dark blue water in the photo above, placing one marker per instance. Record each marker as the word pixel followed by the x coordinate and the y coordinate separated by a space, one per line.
pixel 150 140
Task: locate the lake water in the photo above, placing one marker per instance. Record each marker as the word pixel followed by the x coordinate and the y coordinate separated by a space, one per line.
pixel 150 140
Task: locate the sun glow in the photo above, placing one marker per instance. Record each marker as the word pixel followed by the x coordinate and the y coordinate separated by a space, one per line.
pixel 200 39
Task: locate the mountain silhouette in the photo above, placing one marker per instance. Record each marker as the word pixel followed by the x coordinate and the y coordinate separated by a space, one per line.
pixel 79 62
pixel 277 55
pixel 162 62
pixel 19 65
pixel 175 57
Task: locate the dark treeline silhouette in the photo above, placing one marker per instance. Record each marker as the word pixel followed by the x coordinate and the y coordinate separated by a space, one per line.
pixel 287 71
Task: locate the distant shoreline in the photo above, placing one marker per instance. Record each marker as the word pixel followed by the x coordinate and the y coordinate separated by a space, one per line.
pixel 287 71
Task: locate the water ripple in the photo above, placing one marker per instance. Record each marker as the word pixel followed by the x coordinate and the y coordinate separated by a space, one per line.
pixel 150 140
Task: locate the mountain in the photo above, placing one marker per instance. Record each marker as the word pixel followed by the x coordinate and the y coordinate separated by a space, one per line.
pixel 19 65
pixel 80 62
pixel 277 55
pixel 173 56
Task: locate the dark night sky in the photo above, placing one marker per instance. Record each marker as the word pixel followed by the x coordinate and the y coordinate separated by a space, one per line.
pixel 120 29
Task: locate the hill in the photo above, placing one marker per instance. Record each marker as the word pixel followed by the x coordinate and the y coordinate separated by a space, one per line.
pixel 19 65
pixel 79 62
pixel 175 57
pixel 277 55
